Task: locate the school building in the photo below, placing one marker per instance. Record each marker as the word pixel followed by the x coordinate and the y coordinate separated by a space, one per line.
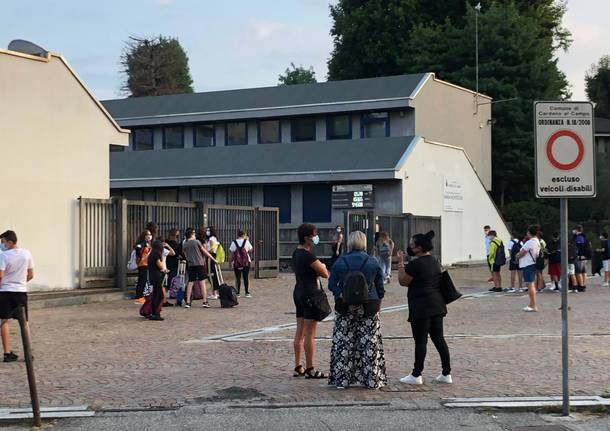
pixel 364 152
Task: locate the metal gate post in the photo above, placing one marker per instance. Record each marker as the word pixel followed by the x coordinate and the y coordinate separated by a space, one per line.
pixel 258 241
pixel 121 241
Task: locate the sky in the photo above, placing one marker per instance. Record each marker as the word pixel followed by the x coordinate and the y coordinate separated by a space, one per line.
pixel 230 44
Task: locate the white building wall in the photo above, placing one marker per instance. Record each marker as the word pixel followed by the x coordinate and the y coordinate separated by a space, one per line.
pixel 462 232
pixel 54 142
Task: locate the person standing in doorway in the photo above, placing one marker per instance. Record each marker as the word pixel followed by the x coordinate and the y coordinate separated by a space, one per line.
pixel 385 248
pixel 241 248
pixel 584 249
pixel 307 270
pixel 527 262
pixel 142 248
pixel 496 259
pixel 554 254
pixel 337 247
pixel 195 254
pixel 605 255
pixel 427 307
pixel 514 246
pixel 16 270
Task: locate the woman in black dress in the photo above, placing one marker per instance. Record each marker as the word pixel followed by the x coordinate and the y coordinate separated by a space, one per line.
pixel 156 273
pixel 307 270
pixel 427 306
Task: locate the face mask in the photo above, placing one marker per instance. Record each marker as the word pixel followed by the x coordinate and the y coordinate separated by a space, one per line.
pixel 338 230
pixel 315 240
pixel 3 246
pixel 148 237
pixel 410 251
pixel 208 233
pixel 574 232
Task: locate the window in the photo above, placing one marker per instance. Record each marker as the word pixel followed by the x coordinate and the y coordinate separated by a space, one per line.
pixel 149 195
pixel 339 127
pixel 239 196
pixel 133 194
pixel 303 129
pixel 237 133
pixel 167 195
pixel 317 203
pixel 173 137
pixel 280 197
pixel 203 194
pixel 116 148
pixel 142 139
pixel 269 132
pixel 375 125
pixel 204 135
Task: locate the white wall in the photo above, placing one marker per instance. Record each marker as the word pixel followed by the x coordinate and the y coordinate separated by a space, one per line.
pixel 462 232
pixel 54 142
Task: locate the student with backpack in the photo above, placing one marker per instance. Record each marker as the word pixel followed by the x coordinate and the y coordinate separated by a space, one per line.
pixel 142 250
pixel 605 255
pixel 541 262
pixel 496 259
pixel 241 248
pixel 356 281
pixel 554 256
pixel 385 248
pixel 514 246
pixel 584 253
pixel 528 256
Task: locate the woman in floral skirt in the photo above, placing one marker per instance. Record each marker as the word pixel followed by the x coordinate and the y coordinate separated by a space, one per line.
pixel 357 347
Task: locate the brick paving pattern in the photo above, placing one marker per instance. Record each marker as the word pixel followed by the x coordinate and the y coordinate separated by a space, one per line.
pixel 107 357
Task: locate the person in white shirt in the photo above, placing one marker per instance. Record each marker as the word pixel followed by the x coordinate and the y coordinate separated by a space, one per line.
pixel 16 269
pixel 241 249
pixel 527 263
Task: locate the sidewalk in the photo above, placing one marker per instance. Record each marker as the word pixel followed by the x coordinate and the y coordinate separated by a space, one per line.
pixel 107 357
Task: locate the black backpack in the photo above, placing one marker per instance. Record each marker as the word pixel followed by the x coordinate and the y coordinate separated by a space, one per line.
pixel 515 249
pixel 500 259
pixel 355 287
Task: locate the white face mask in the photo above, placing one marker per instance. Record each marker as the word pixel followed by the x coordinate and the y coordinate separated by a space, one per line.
pixel 315 240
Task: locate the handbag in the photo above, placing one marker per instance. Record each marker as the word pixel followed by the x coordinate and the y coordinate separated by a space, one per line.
pixel 448 290
pixel 318 305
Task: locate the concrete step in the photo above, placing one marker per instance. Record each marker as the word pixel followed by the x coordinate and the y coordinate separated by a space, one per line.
pixel 61 298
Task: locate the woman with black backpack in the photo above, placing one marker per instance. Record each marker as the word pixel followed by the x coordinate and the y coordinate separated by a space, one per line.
pixel 357 348
pixel 241 249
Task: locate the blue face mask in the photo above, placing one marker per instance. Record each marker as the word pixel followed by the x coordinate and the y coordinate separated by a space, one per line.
pixel 3 246
pixel 315 240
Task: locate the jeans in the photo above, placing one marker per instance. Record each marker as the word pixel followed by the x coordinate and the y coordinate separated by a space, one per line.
pixel 421 329
pixel 386 266
pixel 245 271
pixel 142 278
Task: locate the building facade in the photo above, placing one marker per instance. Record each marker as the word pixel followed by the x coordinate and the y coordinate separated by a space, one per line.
pixel 385 146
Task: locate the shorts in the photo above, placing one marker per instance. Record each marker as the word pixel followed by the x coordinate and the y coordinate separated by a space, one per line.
pixel 571 269
pixel 303 310
pixel 197 273
pixel 606 265
pixel 581 266
pixel 513 266
pixel 529 273
pixel 555 269
pixel 10 302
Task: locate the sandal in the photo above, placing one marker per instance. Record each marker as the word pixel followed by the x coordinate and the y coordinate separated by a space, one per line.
pixel 299 371
pixel 311 373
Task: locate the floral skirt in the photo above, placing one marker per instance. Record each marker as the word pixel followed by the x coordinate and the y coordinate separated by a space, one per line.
pixel 357 356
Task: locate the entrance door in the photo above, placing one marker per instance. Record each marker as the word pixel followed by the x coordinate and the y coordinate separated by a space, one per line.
pixel 362 221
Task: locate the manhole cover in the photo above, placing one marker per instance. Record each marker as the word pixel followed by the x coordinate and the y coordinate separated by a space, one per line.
pixel 542 428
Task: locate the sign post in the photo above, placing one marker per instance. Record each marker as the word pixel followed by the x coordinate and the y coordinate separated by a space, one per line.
pixel 565 168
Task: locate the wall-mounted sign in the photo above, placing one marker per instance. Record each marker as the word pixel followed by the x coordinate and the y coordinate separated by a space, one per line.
pixel 453 195
pixel 353 196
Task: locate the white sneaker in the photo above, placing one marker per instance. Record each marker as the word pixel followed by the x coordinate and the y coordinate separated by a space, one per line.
pixel 529 309
pixel 444 379
pixel 512 290
pixel 248 295
pixel 410 380
pixel 605 284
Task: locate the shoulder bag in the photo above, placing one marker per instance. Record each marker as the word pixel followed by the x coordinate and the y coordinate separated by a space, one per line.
pixel 448 290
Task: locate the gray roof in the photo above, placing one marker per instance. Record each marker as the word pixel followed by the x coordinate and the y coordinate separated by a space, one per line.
pixel 602 126
pixel 376 158
pixel 252 99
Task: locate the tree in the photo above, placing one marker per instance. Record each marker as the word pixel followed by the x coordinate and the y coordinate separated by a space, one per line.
pixel 155 67
pixel 518 40
pixel 597 86
pixel 297 75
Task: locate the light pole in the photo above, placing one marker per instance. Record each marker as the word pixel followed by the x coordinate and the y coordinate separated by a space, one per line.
pixel 476 31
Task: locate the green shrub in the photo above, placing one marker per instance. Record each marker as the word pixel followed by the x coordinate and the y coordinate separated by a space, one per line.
pixel 520 215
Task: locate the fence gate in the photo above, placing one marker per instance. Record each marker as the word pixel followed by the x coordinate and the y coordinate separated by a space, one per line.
pixel 363 221
pixel 262 227
pixel 423 224
pixel 97 242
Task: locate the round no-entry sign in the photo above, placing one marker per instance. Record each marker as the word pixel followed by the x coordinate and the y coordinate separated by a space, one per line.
pixel 579 156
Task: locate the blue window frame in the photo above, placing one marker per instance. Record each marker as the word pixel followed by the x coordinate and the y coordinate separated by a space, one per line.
pixel 236 133
pixel 281 197
pixel 269 132
pixel 375 125
pixel 142 139
pixel 303 129
pixel 173 137
pixel 317 203
pixel 339 126
pixel 204 135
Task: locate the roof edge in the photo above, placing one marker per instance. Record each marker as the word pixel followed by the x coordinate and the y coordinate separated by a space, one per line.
pixel 440 81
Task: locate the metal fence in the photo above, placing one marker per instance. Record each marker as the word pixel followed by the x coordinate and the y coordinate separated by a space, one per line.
pixel 109 228
pixel 423 224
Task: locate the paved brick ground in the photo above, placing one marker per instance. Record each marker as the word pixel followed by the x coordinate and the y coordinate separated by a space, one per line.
pixel 105 356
